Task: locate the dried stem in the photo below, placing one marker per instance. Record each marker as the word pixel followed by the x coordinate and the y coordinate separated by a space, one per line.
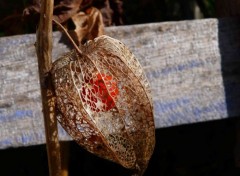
pixel 44 52
pixel 70 38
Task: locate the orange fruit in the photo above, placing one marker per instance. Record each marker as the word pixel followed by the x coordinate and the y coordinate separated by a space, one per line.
pixel 100 92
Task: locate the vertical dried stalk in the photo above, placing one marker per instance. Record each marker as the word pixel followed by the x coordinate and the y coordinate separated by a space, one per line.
pixel 44 50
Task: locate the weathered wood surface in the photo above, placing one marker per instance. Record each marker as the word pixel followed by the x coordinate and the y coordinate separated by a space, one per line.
pixel 193 68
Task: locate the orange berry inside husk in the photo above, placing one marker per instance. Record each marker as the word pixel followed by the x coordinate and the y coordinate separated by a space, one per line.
pixel 103 88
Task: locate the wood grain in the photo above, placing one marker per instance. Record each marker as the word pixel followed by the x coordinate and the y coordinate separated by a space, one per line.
pixel 193 68
pixel 44 57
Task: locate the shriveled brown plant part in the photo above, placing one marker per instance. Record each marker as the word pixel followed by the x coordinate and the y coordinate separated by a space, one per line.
pixel 88 25
pixel 104 102
pixel 85 19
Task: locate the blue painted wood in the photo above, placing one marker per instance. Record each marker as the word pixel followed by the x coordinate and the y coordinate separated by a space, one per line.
pixel 192 66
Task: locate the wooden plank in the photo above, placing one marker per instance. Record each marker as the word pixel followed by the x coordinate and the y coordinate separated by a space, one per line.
pixel 193 68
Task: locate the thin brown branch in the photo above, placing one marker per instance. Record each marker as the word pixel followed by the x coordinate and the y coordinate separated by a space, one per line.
pixel 69 37
pixel 44 52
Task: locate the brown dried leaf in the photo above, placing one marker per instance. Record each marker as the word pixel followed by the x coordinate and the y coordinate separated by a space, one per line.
pixel 112 10
pixel 107 12
pixel 89 25
pixel 88 22
pixel 65 9
pixel 33 8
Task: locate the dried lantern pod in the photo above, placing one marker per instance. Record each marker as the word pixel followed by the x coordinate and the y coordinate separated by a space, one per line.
pixel 104 102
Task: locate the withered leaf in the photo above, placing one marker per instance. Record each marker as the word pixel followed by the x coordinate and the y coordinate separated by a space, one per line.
pixel 65 9
pixel 33 8
pixel 88 20
pixel 88 25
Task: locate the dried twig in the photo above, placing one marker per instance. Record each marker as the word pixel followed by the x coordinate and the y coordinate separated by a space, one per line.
pixel 44 49
pixel 69 37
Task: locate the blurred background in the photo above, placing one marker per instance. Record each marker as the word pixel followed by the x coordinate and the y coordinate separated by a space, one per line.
pixel 202 149
pixel 13 21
